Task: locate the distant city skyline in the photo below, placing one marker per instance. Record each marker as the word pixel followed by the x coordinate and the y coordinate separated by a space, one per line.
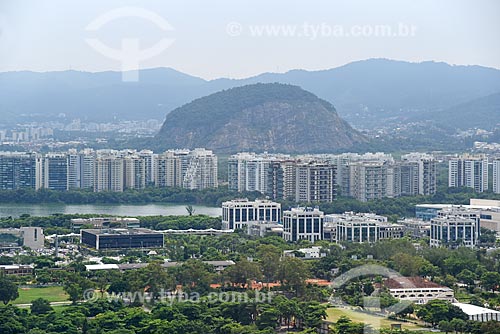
pixel 245 38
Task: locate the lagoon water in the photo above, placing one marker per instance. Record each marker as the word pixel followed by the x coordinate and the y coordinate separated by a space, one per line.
pixel 15 210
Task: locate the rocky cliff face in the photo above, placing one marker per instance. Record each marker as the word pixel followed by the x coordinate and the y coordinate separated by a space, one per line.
pixel 260 117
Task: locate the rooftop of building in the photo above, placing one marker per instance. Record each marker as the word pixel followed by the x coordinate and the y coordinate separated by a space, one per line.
pixel 411 283
pixel 237 201
pixel 495 207
pixel 129 266
pixel 104 219
pixel 310 210
pixel 16 266
pixel 413 222
pixel 470 309
pixel 120 231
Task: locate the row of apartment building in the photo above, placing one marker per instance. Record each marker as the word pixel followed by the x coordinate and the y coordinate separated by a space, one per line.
pixel 318 178
pixel 108 170
pixel 472 171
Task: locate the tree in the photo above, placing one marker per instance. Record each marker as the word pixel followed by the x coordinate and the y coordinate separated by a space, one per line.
pixel 466 276
pixel 293 273
pixel 445 326
pixel 490 280
pixel 459 325
pixel 268 318
pixel 346 326
pixel 243 271
pixel 195 274
pixel 8 289
pixel 269 258
pixel 438 310
pixel 287 308
pixel 74 292
pixel 190 210
pixel 312 314
pixel 40 306
pixel 157 279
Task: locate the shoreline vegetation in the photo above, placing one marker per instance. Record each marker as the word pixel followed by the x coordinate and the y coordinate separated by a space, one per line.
pixel 400 206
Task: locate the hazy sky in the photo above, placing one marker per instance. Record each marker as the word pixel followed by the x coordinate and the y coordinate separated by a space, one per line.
pixel 233 38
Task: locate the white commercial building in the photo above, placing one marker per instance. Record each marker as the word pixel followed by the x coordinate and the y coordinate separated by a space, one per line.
pixel 418 290
pixel 455 226
pixel 32 237
pixel 303 223
pixel 236 214
pixel 477 313
pixel 360 227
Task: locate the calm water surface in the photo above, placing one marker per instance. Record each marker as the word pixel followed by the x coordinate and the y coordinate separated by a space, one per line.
pixel 16 210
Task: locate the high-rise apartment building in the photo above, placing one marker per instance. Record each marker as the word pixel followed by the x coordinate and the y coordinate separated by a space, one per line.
pixel 469 171
pixel 201 171
pixel 55 171
pixel 168 170
pixel 149 165
pixel 369 180
pixel 250 171
pixel 109 173
pixel 134 172
pixel 315 182
pixel 81 169
pixel 496 176
pixel 18 170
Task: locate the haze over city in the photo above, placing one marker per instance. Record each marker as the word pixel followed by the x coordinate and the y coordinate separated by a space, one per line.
pixel 249 167
pixel 50 35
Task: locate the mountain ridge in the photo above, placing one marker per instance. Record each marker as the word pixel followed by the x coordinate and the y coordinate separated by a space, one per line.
pixel 260 117
pixel 367 93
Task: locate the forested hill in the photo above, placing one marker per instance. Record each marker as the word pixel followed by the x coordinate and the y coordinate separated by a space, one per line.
pixel 261 117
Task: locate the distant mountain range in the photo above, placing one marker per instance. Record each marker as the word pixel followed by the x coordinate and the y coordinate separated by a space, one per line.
pixel 367 93
pixel 259 117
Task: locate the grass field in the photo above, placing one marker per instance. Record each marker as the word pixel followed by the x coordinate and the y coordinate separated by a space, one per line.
pixel 376 322
pixel 51 293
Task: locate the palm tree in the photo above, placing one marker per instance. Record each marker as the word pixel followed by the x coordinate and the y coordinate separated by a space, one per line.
pixel 190 210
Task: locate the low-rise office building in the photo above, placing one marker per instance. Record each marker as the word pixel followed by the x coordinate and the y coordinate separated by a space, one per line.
pixel 121 238
pixel 105 222
pixel 306 253
pixel 418 290
pixel 236 214
pixel 17 269
pixel 453 231
pixel 217 265
pixel 303 223
pixel 415 228
pixel 477 313
pixel 360 227
pixel 261 229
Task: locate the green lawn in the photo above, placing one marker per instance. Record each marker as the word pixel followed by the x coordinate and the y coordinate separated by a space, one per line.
pixel 51 293
pixel 376 322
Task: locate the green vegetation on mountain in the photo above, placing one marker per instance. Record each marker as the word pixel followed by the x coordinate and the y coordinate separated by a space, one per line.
pixel 261 117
